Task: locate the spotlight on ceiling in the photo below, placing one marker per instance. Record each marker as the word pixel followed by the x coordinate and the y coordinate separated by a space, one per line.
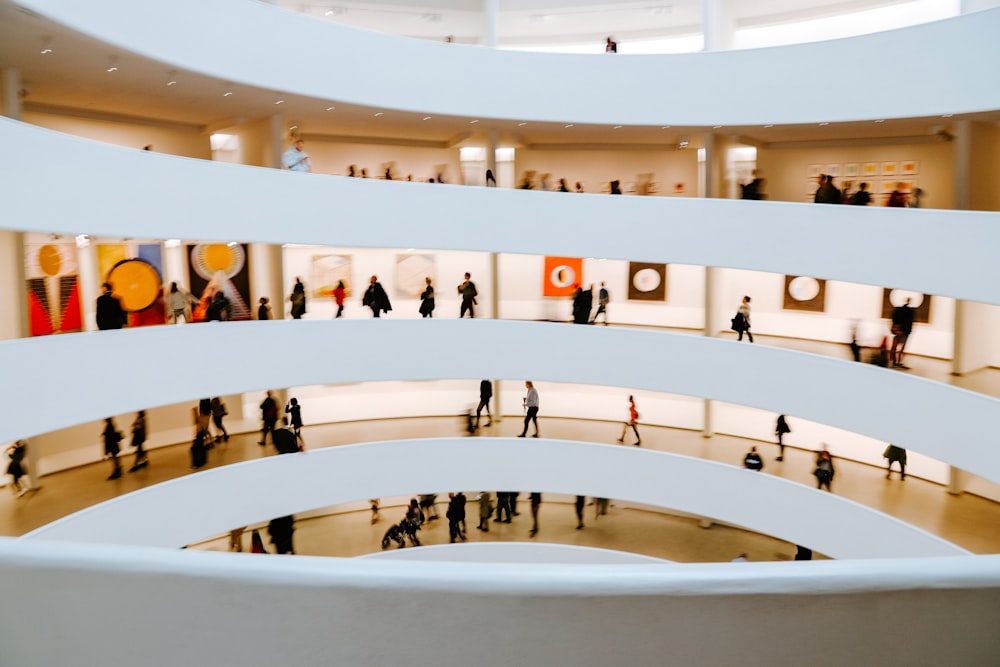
pixel 112 64
pixel 46 46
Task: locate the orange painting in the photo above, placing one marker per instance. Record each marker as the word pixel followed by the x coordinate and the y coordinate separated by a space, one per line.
pixel 561 275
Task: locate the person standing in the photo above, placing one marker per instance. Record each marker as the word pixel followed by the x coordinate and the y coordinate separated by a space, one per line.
pixel 294 411
pixel 110 314
pixel 611 46
pixel 485 394
pixel 220 309
pixel 633 419
pixel 281 530
pixel 536 501
pixel 485 510
pixel 296 158
pixel 112 437
pixel 179 304
pixel 503 505
pixel 780 429
pixel 600 507
pixel 603 299
pixel 427 299
pixel 898 455
pixel 339 293
pixel 138 439
pixel 219 412
pixel 284 439
pixel 264 309
pixel 455 515
pixel 469 293
pixel 862 197
pixel 581 501
pixel 269 416
pixel 376 298
pixel 741 323
pixel 824 471
pixel 753 461
pixel 902 326
pixel 531 404
pixel 298 299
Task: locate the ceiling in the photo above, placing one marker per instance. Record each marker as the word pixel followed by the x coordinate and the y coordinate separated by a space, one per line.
pixel 73 79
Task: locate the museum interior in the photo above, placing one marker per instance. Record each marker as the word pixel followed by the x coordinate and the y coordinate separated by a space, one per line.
pixel 635 200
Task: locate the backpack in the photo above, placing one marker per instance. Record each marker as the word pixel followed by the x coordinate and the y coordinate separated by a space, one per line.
pixel 739 322
pixel 603 297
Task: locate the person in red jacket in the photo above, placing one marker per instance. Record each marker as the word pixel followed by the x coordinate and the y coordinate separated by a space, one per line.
pixel 633 418
pixel 338 294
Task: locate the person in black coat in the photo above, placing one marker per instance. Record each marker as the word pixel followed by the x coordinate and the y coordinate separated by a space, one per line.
pixel 485 394
pixel 456 515
pixel 427 299
pixel 112 438
pixel 281 530
pixel 110 314
pixel 376 298
pixel 284 439
pixel 298 299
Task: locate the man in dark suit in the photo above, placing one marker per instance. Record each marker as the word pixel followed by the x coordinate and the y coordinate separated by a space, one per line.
pixel 110 314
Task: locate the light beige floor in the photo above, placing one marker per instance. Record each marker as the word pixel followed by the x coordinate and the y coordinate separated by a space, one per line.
pixel 967 520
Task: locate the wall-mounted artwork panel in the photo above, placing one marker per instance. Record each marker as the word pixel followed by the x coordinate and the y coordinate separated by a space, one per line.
pixel 647 282
pixel 804 293
pixel 52 281
pixel 225 267
pixel 560 275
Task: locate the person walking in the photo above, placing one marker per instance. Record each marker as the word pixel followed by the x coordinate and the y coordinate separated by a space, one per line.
pixel 376 298
pixel 110 314
pixel 485 394
pixel 780 429
pixel 112 437
pixel 603 299
pixel 281 530
pixel 455 516
pixel 427 299
pixel 824 471
pixel 298 299
pixel 897 455
pixel 179 304
pixel 16 468
pixel 339 294
pixel 581 501
pixel 220 309
pixel 269 417
pixel 741 323
pixel 219 412
pixel 531 404
pixel 902 327
pixel 469 293
pixel 536 501
pixel 503 505
pixel 294 411
pixel 138 438
pixel 600 507
pixel 633 419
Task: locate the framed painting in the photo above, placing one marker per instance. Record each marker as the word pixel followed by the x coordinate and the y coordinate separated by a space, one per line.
pixel 411 273
pixel 647 282
pixel 52 282
pixel 894 298
pixel 805 293
pixel 890 168
pixel 909 167
pixel 222 267
pixel 560 274
pixel 326 271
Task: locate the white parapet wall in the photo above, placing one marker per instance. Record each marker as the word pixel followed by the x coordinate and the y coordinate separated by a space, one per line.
pixel 122 606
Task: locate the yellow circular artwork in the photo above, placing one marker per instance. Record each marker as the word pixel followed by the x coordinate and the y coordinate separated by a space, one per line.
pixel 136 283
pixel 49 259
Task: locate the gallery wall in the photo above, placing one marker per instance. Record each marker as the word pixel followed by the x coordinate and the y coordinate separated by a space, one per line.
pixel 788 171
pixel 595 169
pixel 170 138
pixel 333 156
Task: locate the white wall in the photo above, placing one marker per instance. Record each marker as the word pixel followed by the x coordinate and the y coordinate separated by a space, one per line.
pixel 474 82
pixel 164 137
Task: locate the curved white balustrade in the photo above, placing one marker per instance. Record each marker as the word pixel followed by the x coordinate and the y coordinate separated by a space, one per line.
pixel 159 196
pixel 195 507
pixel 289 52
pixel 268 610
pixel 515 552
pixel 950 424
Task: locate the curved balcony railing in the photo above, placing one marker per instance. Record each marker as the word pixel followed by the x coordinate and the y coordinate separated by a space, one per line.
pixel 789 84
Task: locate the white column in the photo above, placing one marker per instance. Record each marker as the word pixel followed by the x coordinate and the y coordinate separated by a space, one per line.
pixel 276 136
pixel 173 264
pixel 266 277
pixel 12 286
pixel 717 25
pixel 12 93
pixel 491 12
pixel 90 283
pixel 711 166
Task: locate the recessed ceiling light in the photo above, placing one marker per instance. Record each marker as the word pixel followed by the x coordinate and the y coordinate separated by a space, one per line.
pixel 279 101
pixel 570 125
pixel 46 46
pixel 618 127
pixel 293 127
pixel 172 77
pixel 521 124
pixel 112 64
pixel 228 93
pixel 880 120
pixel 716 127
pixel 330 108
pixel 379 114
pixel 945 115
pixel 473 122
pixel 824 123
pixel 328 12
pixel 769 125
pixel 427 117
pixel 232 244
pixel 665 127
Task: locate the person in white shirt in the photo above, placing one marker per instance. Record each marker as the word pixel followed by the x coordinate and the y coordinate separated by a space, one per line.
pixel 531 403
pixel 296 159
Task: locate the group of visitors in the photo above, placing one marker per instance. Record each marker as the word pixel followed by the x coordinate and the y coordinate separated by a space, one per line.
pixel 112 438
pixel 583 304
pixel 829 193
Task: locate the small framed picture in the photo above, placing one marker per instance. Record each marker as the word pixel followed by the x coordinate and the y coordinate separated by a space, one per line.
pixel 832 170
pixel 909 167
pixel 814 170
pixel 869 170
pixel 906 185
pixel 852 170
pixel 890 168
pixel 888 185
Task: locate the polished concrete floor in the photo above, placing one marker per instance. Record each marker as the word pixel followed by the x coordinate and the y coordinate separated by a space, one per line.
pixel 966 520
